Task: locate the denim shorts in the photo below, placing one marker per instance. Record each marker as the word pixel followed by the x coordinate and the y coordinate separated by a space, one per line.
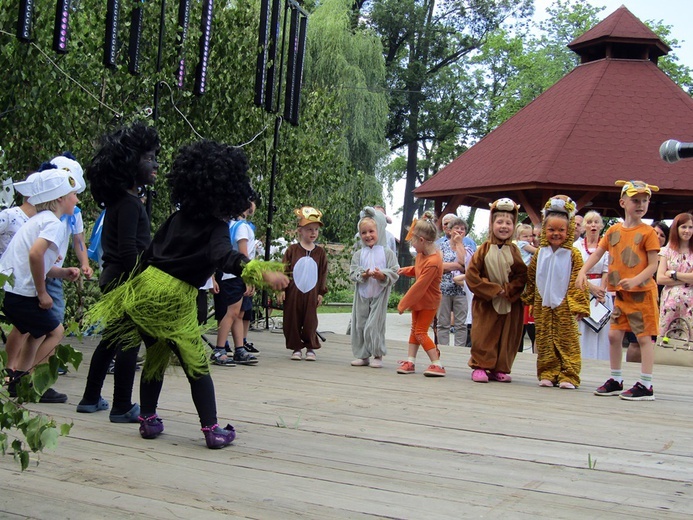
pixel 54 286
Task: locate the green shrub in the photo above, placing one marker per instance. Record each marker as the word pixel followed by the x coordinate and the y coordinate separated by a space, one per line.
pixel 394 300
pixel 340 296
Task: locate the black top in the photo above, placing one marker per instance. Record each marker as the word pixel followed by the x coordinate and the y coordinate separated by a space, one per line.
pixel 191 250
pixel 126 234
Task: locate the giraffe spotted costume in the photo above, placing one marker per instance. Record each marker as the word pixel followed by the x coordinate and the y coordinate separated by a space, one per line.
pixel 556 300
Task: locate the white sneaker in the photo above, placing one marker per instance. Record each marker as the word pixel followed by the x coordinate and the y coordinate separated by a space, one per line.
pixel 377 363
pixel 296 356
pixel 360 362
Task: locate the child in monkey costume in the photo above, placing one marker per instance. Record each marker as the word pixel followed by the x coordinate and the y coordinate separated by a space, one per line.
pixel 496 275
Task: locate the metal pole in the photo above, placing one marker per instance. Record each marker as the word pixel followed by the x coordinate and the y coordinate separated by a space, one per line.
pixel 271 209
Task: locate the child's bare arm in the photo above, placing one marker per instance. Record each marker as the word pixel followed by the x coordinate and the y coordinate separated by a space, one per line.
pixel 70 274
pixel 581 280
pixel 36 254
pixel 530 248
pixel 81 252
pixel 276 280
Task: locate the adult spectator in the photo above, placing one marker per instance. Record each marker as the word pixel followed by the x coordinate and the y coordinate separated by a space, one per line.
pixel 579 227
pixel 675 273
pixel 594 345
pixel 454 299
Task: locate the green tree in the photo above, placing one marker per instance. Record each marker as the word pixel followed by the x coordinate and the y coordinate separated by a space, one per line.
pixel 350 61
pixel 680 74
pixel 520 64
pixel 422 40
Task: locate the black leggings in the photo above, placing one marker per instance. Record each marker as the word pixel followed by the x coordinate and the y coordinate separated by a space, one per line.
pixel 202 390
pixel 123 376
pixel 125 362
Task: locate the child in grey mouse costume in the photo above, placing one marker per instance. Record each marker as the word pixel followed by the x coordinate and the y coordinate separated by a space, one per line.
pixel 374 270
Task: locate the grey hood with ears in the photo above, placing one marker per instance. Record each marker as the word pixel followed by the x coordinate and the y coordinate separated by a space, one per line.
pixel 380 223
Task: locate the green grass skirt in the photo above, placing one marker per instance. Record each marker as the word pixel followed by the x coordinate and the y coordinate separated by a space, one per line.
pixel 158 305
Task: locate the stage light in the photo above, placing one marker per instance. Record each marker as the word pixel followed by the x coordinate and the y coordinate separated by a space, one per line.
pixel 205 39
pixel 262 42
pixel 110 48
pixel 183 23
pixel 62 15
pixel 294 71
pixel 272 47
pixel 134 43
pixel 26 13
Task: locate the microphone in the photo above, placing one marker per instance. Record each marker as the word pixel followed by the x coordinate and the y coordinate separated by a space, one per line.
pixel 673 150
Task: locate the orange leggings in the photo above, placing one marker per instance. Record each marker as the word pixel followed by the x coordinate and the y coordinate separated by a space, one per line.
pixel 420 323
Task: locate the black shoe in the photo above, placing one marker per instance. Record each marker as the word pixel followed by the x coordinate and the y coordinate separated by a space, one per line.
pixel 242 357
pixel 611 387
pixel 638 393
pixel 250 347
pixel 12 379
pixel 51 396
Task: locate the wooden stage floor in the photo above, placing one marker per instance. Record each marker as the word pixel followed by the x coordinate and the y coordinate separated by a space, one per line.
pixel 325 440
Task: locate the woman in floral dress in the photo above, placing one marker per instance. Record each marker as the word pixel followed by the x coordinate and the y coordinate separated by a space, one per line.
pixel 675 273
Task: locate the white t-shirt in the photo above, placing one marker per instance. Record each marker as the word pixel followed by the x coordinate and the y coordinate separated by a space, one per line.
pixel 16 258
pixel 11 219
pixel 242 231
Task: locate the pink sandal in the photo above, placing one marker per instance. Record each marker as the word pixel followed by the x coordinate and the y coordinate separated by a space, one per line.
pixel 479 375
pixel 501 377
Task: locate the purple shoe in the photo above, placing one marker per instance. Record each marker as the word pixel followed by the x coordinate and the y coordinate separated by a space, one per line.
pixel 150 427
pixel 218 437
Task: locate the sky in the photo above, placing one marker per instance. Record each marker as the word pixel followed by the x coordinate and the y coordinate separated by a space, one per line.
pixel 676 13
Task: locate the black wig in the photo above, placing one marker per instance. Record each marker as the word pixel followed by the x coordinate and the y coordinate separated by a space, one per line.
pixel 210 179
pixel 115 167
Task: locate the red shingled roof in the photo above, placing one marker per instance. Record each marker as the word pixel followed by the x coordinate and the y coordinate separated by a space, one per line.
pixel 603 121
pixel 619 25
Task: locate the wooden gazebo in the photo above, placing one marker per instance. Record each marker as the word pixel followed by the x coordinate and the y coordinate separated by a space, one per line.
pixel 602 122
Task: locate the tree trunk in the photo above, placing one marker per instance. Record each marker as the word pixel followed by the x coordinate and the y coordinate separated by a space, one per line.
pixel 409 207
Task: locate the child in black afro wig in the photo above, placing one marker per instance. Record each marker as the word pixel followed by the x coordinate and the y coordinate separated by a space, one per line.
pixel 209 183
pixel 115 169
pixel 210 179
